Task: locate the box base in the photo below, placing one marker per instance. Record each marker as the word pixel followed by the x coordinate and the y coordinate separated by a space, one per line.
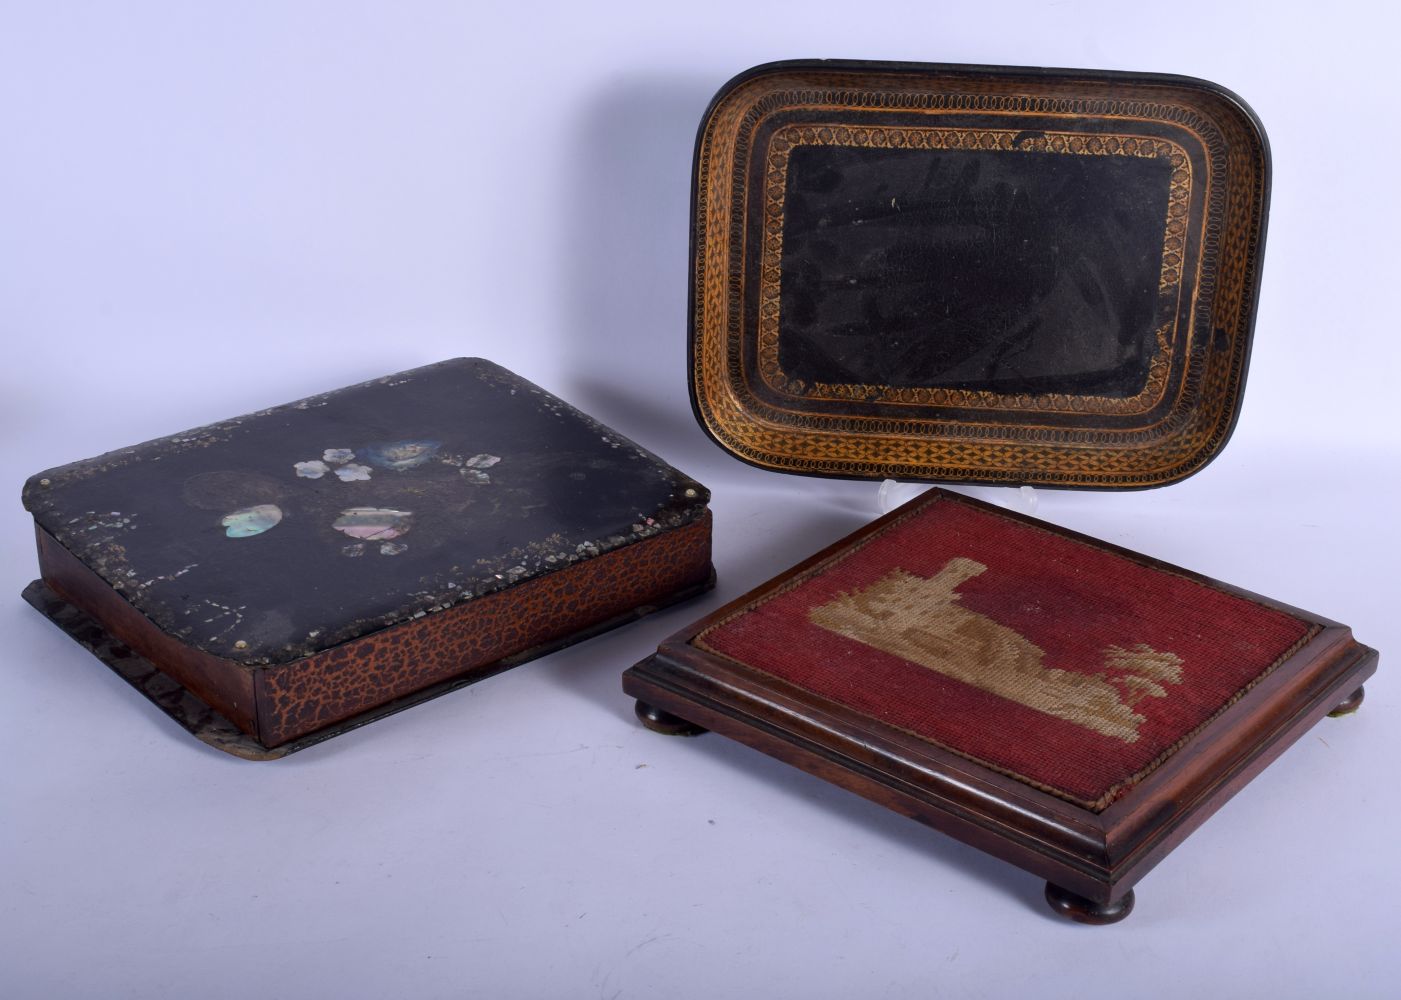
pixel 210 727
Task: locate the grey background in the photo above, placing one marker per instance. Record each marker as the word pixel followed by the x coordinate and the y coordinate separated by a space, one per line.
pixel 208 208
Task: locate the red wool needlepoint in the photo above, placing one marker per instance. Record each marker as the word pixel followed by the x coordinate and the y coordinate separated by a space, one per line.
pixel 1067 666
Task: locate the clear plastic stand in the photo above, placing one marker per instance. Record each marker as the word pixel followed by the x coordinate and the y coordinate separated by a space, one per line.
pixel 892 494
pixel 1030 499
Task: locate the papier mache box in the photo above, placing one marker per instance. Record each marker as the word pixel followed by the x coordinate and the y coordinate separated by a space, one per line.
pixel 279 578
pixel 1005 276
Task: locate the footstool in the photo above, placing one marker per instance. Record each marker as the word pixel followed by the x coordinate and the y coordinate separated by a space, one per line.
pixel 1066 705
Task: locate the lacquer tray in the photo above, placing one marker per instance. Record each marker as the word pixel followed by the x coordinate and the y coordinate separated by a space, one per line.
pixel 975 274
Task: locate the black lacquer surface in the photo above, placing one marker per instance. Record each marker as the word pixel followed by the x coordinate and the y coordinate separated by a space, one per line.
pixel 290 530
pixel 1009 271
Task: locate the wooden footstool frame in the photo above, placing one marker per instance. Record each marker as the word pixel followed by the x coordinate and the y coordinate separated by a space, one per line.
pixel 1090 860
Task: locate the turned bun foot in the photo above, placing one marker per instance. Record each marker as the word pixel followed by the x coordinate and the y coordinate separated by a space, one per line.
pixel 1349 704
pixel 664 722
pixel 1087 911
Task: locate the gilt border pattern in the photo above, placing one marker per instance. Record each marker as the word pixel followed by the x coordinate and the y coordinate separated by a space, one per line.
pixel 780 149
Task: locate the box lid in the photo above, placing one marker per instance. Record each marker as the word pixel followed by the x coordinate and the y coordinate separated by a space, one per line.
pixel 974 274
pixel 276 535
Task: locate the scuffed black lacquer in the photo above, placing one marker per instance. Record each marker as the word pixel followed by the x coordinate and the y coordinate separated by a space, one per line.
pixel 972 269
pixel 277 551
